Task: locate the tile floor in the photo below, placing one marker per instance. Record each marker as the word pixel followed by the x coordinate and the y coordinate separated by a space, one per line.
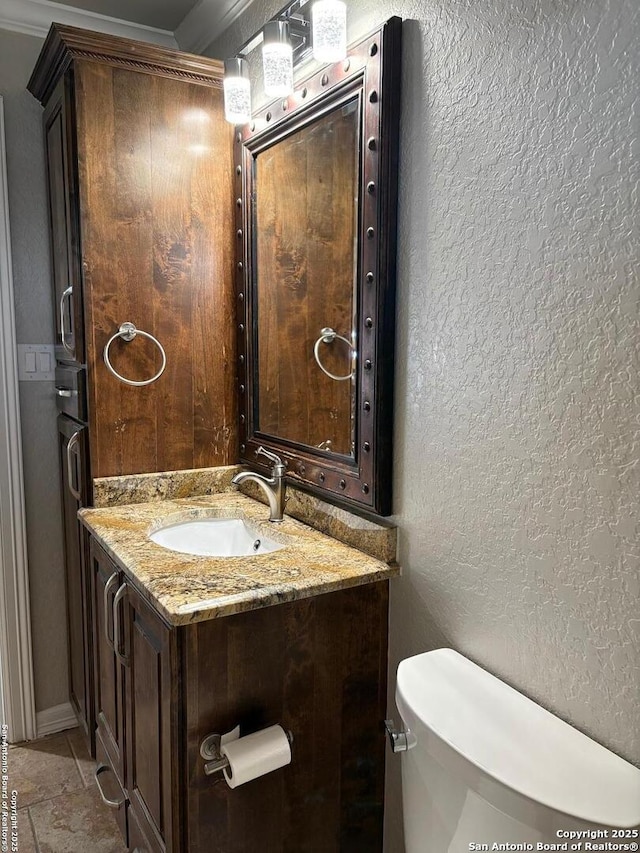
pixel 59 808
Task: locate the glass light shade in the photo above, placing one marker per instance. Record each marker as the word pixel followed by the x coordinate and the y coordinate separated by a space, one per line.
pixel 237 91
pixel 329 30
pixel 237 100
pixel 277 60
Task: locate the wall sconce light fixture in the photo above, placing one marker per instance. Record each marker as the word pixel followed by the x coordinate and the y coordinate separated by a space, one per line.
pixel 285 42
pixel 277 59
pixel 237 90
pixel 329 30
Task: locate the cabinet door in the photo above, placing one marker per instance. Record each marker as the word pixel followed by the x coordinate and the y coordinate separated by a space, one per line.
pixel 72 438
pixel 152 781
pixel 109 666
pixel 59 123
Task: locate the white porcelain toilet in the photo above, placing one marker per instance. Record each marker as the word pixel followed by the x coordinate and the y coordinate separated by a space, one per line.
pixel 486 766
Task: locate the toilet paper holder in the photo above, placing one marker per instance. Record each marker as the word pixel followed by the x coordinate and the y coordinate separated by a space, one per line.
pixel 210 750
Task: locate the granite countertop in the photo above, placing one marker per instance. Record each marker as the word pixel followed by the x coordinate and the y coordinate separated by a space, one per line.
pixel 186 588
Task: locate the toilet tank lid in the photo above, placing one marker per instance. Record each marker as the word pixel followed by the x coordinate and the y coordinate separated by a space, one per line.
pixel 515 741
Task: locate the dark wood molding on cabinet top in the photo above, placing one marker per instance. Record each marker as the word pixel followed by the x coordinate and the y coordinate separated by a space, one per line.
pixel 65 44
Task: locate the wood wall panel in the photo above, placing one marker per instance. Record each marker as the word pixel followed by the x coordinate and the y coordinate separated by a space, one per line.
pixel 213 316
pixel 155 164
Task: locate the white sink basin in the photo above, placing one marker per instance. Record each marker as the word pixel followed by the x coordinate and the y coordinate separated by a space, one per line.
pixel 214 537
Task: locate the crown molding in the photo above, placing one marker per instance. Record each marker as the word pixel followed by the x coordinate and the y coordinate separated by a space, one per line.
pixel 34 17
pixel 206 21
pixel 64 45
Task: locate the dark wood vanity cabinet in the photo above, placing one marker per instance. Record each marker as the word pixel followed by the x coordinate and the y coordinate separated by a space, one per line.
pixel 140 170
pixel 315 666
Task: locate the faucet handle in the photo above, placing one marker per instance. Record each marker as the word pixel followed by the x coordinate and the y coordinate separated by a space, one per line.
pixel 273 457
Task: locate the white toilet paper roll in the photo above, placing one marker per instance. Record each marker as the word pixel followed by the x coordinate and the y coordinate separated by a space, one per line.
pixel 256 754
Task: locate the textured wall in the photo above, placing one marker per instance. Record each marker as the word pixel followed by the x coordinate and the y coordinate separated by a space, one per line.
pixel 34 325
pixel 517 437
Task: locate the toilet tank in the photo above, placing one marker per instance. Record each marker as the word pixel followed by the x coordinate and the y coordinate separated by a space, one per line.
pixel 487 766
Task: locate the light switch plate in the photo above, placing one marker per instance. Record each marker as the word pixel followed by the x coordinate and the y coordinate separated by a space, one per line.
pixel 36 363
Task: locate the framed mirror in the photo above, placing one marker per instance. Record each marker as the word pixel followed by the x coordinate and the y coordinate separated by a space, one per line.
pixel 316 227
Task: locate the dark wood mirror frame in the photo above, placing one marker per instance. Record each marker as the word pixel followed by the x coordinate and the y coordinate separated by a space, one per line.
pixel 372 73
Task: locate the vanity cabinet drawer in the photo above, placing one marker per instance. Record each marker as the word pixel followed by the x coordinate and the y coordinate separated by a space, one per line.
pixel 71 391
pixel 109 787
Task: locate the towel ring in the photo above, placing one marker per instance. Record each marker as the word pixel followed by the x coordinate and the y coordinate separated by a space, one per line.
pixel 328 336
pixel 127 332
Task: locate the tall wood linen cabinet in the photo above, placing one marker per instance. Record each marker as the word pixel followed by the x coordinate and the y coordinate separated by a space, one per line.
pixel 140 171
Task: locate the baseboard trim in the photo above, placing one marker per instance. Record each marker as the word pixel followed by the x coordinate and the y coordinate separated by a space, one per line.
pixel 55 719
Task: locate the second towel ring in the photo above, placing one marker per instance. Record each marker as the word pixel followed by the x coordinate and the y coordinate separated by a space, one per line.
pixel 327 336
pixel 128 332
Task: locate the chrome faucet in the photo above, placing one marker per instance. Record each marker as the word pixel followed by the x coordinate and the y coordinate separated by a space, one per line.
pixel 274 487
